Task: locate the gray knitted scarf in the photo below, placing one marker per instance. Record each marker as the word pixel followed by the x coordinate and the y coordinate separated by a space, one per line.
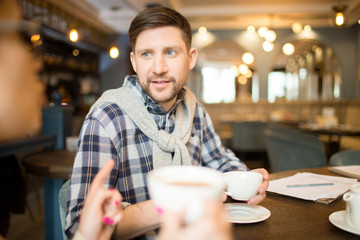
pixel 164 143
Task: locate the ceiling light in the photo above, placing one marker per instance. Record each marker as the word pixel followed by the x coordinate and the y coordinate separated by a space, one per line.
pixel 73 35
pixel 270 35
pixel 202 30
pixel 36 40
pixel 339 17
pixel 35 37
pixel 248 58
pixel 251 28
pixel 242 80
pixel 288 49
pixel 262 31
pixel 114 52
pixel 201 40
pixel 248 74
pixel 296 27
pixel 268 46
pixel 76 52
pixel 307 28
pixel 243 69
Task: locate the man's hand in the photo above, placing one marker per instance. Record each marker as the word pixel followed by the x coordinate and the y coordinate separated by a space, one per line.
pixel 262 189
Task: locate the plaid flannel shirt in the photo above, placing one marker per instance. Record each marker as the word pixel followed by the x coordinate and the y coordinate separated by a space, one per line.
pixel 109 133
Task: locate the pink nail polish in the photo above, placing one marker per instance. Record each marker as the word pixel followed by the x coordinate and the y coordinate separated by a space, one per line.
pixel 111 189
pixel 160 211
pixel 117 203
pixel 110 222
pixel 105 220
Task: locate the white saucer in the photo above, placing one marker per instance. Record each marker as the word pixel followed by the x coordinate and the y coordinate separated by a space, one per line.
pixel 244 213
pixel 338 219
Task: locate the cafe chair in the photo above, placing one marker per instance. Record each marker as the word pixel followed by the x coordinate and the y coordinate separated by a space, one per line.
pixel 248 138
pixel 347 157
pixel 62 206
pixel 289 149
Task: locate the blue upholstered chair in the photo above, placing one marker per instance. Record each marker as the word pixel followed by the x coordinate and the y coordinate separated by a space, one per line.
pixel 347 157
pixel 248 138
pixel 288 149
pixel 62 206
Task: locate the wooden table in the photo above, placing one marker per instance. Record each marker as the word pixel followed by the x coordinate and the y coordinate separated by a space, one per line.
pixel 293 218
pixel 51 164
pixel 55 167
pixel 334 135
pixel 27 144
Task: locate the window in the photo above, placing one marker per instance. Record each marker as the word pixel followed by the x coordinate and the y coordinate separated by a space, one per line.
pixel 218 84
pixel 292 85
pixel 283 85
pixel 276 86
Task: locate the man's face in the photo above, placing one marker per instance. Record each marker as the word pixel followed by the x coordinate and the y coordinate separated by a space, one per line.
pixel 162 61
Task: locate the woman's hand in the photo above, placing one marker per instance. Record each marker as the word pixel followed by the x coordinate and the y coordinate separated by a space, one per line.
pixel 211 226
pixel 102 209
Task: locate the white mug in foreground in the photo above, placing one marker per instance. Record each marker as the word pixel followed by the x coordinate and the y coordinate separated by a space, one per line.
pixel 242 185
pixel 184 188
pixel 352 199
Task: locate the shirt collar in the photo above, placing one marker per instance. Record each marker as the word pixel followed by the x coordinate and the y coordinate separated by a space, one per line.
pixel 131 81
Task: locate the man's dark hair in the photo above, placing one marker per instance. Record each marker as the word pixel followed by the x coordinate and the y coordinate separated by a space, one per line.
pixel 159 17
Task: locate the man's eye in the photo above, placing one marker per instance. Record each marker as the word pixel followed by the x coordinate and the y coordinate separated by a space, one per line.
pixel 171 52
pixel 146 54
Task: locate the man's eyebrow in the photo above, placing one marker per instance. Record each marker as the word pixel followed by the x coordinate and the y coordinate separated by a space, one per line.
pixel 141 50
pixel 172 48
pixel 164 49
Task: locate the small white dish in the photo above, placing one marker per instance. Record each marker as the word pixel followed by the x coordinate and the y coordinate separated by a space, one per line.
pixel 338 219
pixel 244 213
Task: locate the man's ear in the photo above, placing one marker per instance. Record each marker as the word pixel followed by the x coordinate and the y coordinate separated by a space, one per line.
pixel 132 60
pixel 193 56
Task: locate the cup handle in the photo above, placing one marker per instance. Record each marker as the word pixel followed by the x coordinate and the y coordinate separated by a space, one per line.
pixel 347 196
pixel 226 190
pixel 227 193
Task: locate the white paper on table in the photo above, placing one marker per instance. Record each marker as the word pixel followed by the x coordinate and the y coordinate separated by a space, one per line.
pixel 348 171
pixel 341 185
pixel 353 169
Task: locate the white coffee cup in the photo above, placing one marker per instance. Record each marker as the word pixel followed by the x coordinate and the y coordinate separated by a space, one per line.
pixel 184 188
pixel 71 143
pixel 242 185
pixel 352 199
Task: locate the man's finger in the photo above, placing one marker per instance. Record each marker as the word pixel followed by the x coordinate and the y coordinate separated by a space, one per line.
pixel 263 172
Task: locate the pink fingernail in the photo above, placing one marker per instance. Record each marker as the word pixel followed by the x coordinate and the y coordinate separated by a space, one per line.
pixel 116 203
pixel 110 222
pixel 160 211
pixel 105 220
pixel 111 189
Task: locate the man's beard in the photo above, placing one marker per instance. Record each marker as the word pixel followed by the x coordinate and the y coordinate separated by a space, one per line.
pixel 167 95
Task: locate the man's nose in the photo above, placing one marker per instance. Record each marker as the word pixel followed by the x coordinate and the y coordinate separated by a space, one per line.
pixel 160 65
